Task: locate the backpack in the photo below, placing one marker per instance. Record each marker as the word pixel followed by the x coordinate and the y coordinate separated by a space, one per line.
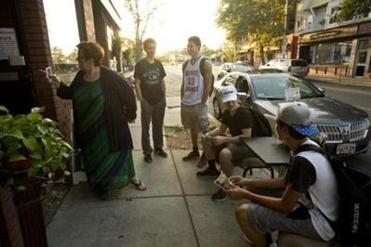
pixel 202 64
pixel 261 126
pixel 353 226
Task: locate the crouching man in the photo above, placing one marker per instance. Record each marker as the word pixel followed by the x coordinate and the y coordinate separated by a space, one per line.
pixel 227 149
pixel 309 203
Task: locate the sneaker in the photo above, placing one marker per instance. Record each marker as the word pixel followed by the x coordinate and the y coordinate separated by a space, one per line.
pixel 160 152
pixel 219 195
pixel 208 172
pixel 202 162
pixel 192 155
pixel 148 158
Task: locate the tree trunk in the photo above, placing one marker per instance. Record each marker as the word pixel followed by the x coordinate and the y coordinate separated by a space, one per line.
pixel 261 50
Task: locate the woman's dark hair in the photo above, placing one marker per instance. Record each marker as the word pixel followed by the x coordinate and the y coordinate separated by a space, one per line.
pixel 147 42
pixel 91 50
pixel 292 132
pixel 196 40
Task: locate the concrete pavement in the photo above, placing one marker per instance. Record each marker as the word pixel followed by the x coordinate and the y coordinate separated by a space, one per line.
pixel 175 210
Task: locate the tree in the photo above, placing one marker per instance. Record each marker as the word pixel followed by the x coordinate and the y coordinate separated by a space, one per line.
pixel 259 22
pixel 58 56
pixel 206 51
pixel 228 52
pixel 350 9
pixel 71 58
pixel 142 11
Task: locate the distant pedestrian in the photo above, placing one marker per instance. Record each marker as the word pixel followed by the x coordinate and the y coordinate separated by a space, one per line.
pixel 103 104
pixel 196 86
pixel 151 91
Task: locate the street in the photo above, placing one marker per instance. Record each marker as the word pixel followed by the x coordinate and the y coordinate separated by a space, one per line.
pixel 354 95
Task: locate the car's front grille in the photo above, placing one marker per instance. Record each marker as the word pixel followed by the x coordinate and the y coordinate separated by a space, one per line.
pixel 351 132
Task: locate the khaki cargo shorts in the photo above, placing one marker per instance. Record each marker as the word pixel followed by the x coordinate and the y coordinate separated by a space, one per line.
pixel 195 116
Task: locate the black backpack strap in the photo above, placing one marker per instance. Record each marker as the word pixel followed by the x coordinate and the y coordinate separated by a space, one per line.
pixel 202 69
pixel 184 66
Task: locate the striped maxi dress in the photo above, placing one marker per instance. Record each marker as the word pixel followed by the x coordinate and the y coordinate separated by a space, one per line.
pixel 105 170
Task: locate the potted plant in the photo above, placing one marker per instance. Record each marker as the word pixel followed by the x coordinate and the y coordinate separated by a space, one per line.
pixel 32 143
pixel 32 150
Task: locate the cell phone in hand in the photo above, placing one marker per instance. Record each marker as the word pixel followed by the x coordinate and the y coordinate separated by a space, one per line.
pixel 49 72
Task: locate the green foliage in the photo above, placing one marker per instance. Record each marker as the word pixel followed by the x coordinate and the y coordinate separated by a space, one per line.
pixel 260 22
pixel 32 137
pixel 228 52
pixel 58 55
pixel 353 8
pixel 206 51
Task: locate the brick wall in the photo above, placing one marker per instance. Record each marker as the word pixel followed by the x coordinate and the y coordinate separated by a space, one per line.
pixel 38 56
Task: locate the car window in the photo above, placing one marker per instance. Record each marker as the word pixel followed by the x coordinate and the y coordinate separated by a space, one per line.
pixel 272 88
pixel 301 63
pixel 271 63
pixel 283 62
pixel 241 68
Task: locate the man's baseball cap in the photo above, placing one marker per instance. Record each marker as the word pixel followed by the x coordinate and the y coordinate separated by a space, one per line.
pixel 297 115
pixel 228 93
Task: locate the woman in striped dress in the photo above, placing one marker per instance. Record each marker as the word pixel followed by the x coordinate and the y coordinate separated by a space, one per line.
pixel 103 105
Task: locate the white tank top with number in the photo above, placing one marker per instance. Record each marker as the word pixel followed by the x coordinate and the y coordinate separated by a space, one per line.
pixel 193 84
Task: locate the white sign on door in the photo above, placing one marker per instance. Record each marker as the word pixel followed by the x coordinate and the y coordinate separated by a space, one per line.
pixel 8 43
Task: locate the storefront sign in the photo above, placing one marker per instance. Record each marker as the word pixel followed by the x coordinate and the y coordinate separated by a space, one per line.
pixel 364 28
pixel 8 43
pixel 329 34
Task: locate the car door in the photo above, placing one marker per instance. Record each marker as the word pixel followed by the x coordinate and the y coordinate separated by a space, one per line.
pixel 243 90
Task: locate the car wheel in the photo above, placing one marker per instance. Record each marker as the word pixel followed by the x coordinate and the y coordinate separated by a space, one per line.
pixel 217 110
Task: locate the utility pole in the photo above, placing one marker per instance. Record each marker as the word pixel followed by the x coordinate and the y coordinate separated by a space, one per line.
pixel 284 40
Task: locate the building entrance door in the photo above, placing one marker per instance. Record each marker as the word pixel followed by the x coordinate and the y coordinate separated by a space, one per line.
pixel 363 57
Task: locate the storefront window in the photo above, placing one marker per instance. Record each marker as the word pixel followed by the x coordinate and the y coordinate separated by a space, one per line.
pixel 362 56
pixel 325 53
pixel 363 44
pixel 342 52
pixel 332 53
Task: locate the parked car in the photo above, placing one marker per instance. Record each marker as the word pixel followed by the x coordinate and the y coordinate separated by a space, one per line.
pixel 239 66
pixel 296 67
pixel 345 128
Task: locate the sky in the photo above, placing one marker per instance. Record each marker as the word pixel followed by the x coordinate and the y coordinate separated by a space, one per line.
pixel 171 25
pixel 176 20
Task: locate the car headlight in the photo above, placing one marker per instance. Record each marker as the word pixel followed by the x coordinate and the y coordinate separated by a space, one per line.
pixel 367 123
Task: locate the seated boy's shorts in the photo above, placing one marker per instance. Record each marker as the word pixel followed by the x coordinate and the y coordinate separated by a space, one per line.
pixel 267 220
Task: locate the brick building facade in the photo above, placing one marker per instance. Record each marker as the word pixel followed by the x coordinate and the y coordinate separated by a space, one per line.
pixel 22 85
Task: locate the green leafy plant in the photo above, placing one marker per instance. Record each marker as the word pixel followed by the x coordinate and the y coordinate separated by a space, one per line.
pixel 34 142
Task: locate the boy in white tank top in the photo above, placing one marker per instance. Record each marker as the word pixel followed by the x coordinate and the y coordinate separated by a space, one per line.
pixel 195 89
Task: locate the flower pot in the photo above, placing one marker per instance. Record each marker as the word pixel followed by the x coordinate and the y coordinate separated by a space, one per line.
pixel 18 166
pixel 31 213
pixel 10 228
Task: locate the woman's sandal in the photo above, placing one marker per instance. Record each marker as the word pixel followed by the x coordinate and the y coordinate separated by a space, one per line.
pixel 139 185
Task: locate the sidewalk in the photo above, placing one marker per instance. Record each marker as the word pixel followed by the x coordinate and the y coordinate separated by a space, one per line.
pixel 176 209
pixel 342 80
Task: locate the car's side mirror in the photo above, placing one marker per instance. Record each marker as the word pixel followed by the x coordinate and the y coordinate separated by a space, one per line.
pixel 322 90
pixel 243 96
